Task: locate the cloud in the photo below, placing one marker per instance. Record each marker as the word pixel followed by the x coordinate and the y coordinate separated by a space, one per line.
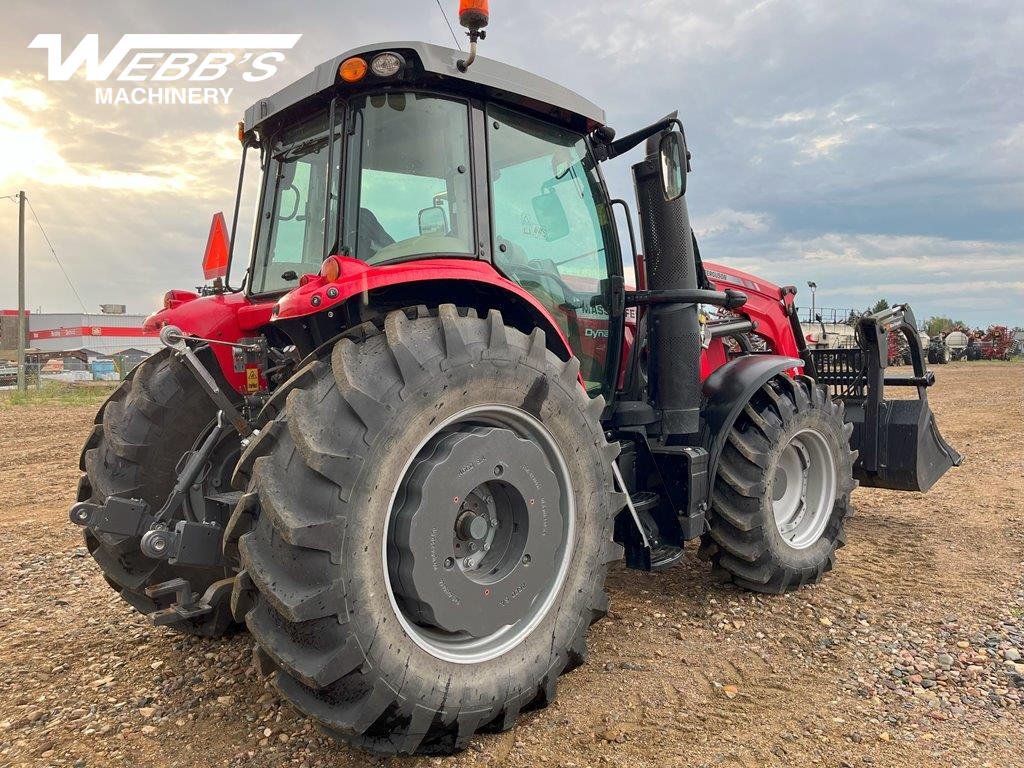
pixel 96 155
pixel 726 220
pixel 822 146
pixel 977 277
pixel 871 147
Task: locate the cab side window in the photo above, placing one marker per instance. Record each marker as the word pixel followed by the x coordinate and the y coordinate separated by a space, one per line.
pixel 291 233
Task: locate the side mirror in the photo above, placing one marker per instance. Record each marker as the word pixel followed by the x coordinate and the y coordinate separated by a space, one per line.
pixel 551 216
pixel 433 221
pixel 672 151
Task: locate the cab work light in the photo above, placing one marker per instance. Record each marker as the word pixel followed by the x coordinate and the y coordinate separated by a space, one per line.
pixel 352 70
pixel 387 64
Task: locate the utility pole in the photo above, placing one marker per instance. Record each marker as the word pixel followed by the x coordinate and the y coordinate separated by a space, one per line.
pixel 22 324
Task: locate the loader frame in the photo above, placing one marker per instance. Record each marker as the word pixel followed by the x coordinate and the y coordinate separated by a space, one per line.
pixel 899 447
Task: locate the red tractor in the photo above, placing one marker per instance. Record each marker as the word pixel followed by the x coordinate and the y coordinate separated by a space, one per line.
pixel 405 447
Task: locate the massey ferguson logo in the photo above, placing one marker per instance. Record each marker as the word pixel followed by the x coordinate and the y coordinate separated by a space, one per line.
pixel 168 59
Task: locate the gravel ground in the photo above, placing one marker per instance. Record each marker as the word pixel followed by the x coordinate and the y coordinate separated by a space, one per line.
pixel 908 654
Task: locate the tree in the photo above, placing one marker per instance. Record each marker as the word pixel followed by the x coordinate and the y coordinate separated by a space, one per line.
pixel 878 306
pixel 940 326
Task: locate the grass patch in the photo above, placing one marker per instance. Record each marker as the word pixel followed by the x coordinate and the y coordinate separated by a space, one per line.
pixel 55 393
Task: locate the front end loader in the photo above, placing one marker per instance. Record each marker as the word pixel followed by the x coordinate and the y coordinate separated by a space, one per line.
pixel 404 450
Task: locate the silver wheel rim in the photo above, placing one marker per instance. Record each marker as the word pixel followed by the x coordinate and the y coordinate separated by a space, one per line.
pixel 465 649
pixel 803 490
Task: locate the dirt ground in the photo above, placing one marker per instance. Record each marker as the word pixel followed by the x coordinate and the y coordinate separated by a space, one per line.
pixel 908 654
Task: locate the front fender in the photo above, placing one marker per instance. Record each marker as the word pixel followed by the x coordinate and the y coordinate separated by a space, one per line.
pixel 223 316
pixel 728 389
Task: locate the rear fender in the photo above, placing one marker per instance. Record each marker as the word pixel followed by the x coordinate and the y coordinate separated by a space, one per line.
pixel 224 316
pixel 730 388
pixel 361 289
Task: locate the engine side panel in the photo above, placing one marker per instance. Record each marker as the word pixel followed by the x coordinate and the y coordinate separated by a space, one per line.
pixel 768 306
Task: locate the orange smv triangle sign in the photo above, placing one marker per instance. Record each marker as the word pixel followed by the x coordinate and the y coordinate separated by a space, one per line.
pixel 215 261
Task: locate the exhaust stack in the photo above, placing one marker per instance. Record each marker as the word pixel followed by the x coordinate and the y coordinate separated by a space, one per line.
pixel 675 330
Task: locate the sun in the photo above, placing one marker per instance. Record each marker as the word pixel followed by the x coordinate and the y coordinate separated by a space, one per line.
pixel 27 123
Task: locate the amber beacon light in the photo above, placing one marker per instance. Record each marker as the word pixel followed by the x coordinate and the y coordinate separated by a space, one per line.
pixel 473 15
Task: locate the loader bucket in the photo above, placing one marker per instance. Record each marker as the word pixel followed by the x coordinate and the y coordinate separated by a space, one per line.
pixel 909 452
pixel 898 443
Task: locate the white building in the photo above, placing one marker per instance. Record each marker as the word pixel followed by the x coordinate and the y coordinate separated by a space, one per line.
pixel 103 334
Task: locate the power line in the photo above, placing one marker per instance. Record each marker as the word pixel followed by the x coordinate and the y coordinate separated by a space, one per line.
pixel 450 28
pixel 55 258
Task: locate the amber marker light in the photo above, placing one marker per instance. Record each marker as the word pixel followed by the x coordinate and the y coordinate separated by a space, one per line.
pixel 352 70
pixel 330 270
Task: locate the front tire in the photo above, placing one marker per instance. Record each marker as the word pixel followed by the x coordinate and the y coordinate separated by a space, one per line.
pixel 156 415
pixel 782 491
pixel 359 491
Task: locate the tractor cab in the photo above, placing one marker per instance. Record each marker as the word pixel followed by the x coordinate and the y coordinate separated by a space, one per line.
pixel 403 159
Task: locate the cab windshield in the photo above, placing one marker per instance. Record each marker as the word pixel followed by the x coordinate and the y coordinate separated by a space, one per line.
pixel 406 192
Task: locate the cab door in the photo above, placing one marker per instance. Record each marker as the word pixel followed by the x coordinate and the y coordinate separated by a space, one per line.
pixel 554 234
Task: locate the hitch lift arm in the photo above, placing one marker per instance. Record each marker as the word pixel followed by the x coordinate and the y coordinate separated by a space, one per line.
pixel 181 542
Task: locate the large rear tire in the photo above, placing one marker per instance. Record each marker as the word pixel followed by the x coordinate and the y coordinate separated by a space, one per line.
pixel 782 491
pixel 382 464
pixel 141 433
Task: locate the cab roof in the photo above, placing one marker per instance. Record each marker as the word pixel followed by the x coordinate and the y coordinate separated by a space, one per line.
pixel 429 64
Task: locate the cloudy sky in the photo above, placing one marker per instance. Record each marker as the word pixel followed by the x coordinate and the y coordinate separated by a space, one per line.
pixel 874 147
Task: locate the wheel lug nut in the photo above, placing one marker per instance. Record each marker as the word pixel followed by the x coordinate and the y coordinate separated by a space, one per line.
pixel 526 559
pixel 449 562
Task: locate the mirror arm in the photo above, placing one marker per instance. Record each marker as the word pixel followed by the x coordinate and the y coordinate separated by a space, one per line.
pixel 626 143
